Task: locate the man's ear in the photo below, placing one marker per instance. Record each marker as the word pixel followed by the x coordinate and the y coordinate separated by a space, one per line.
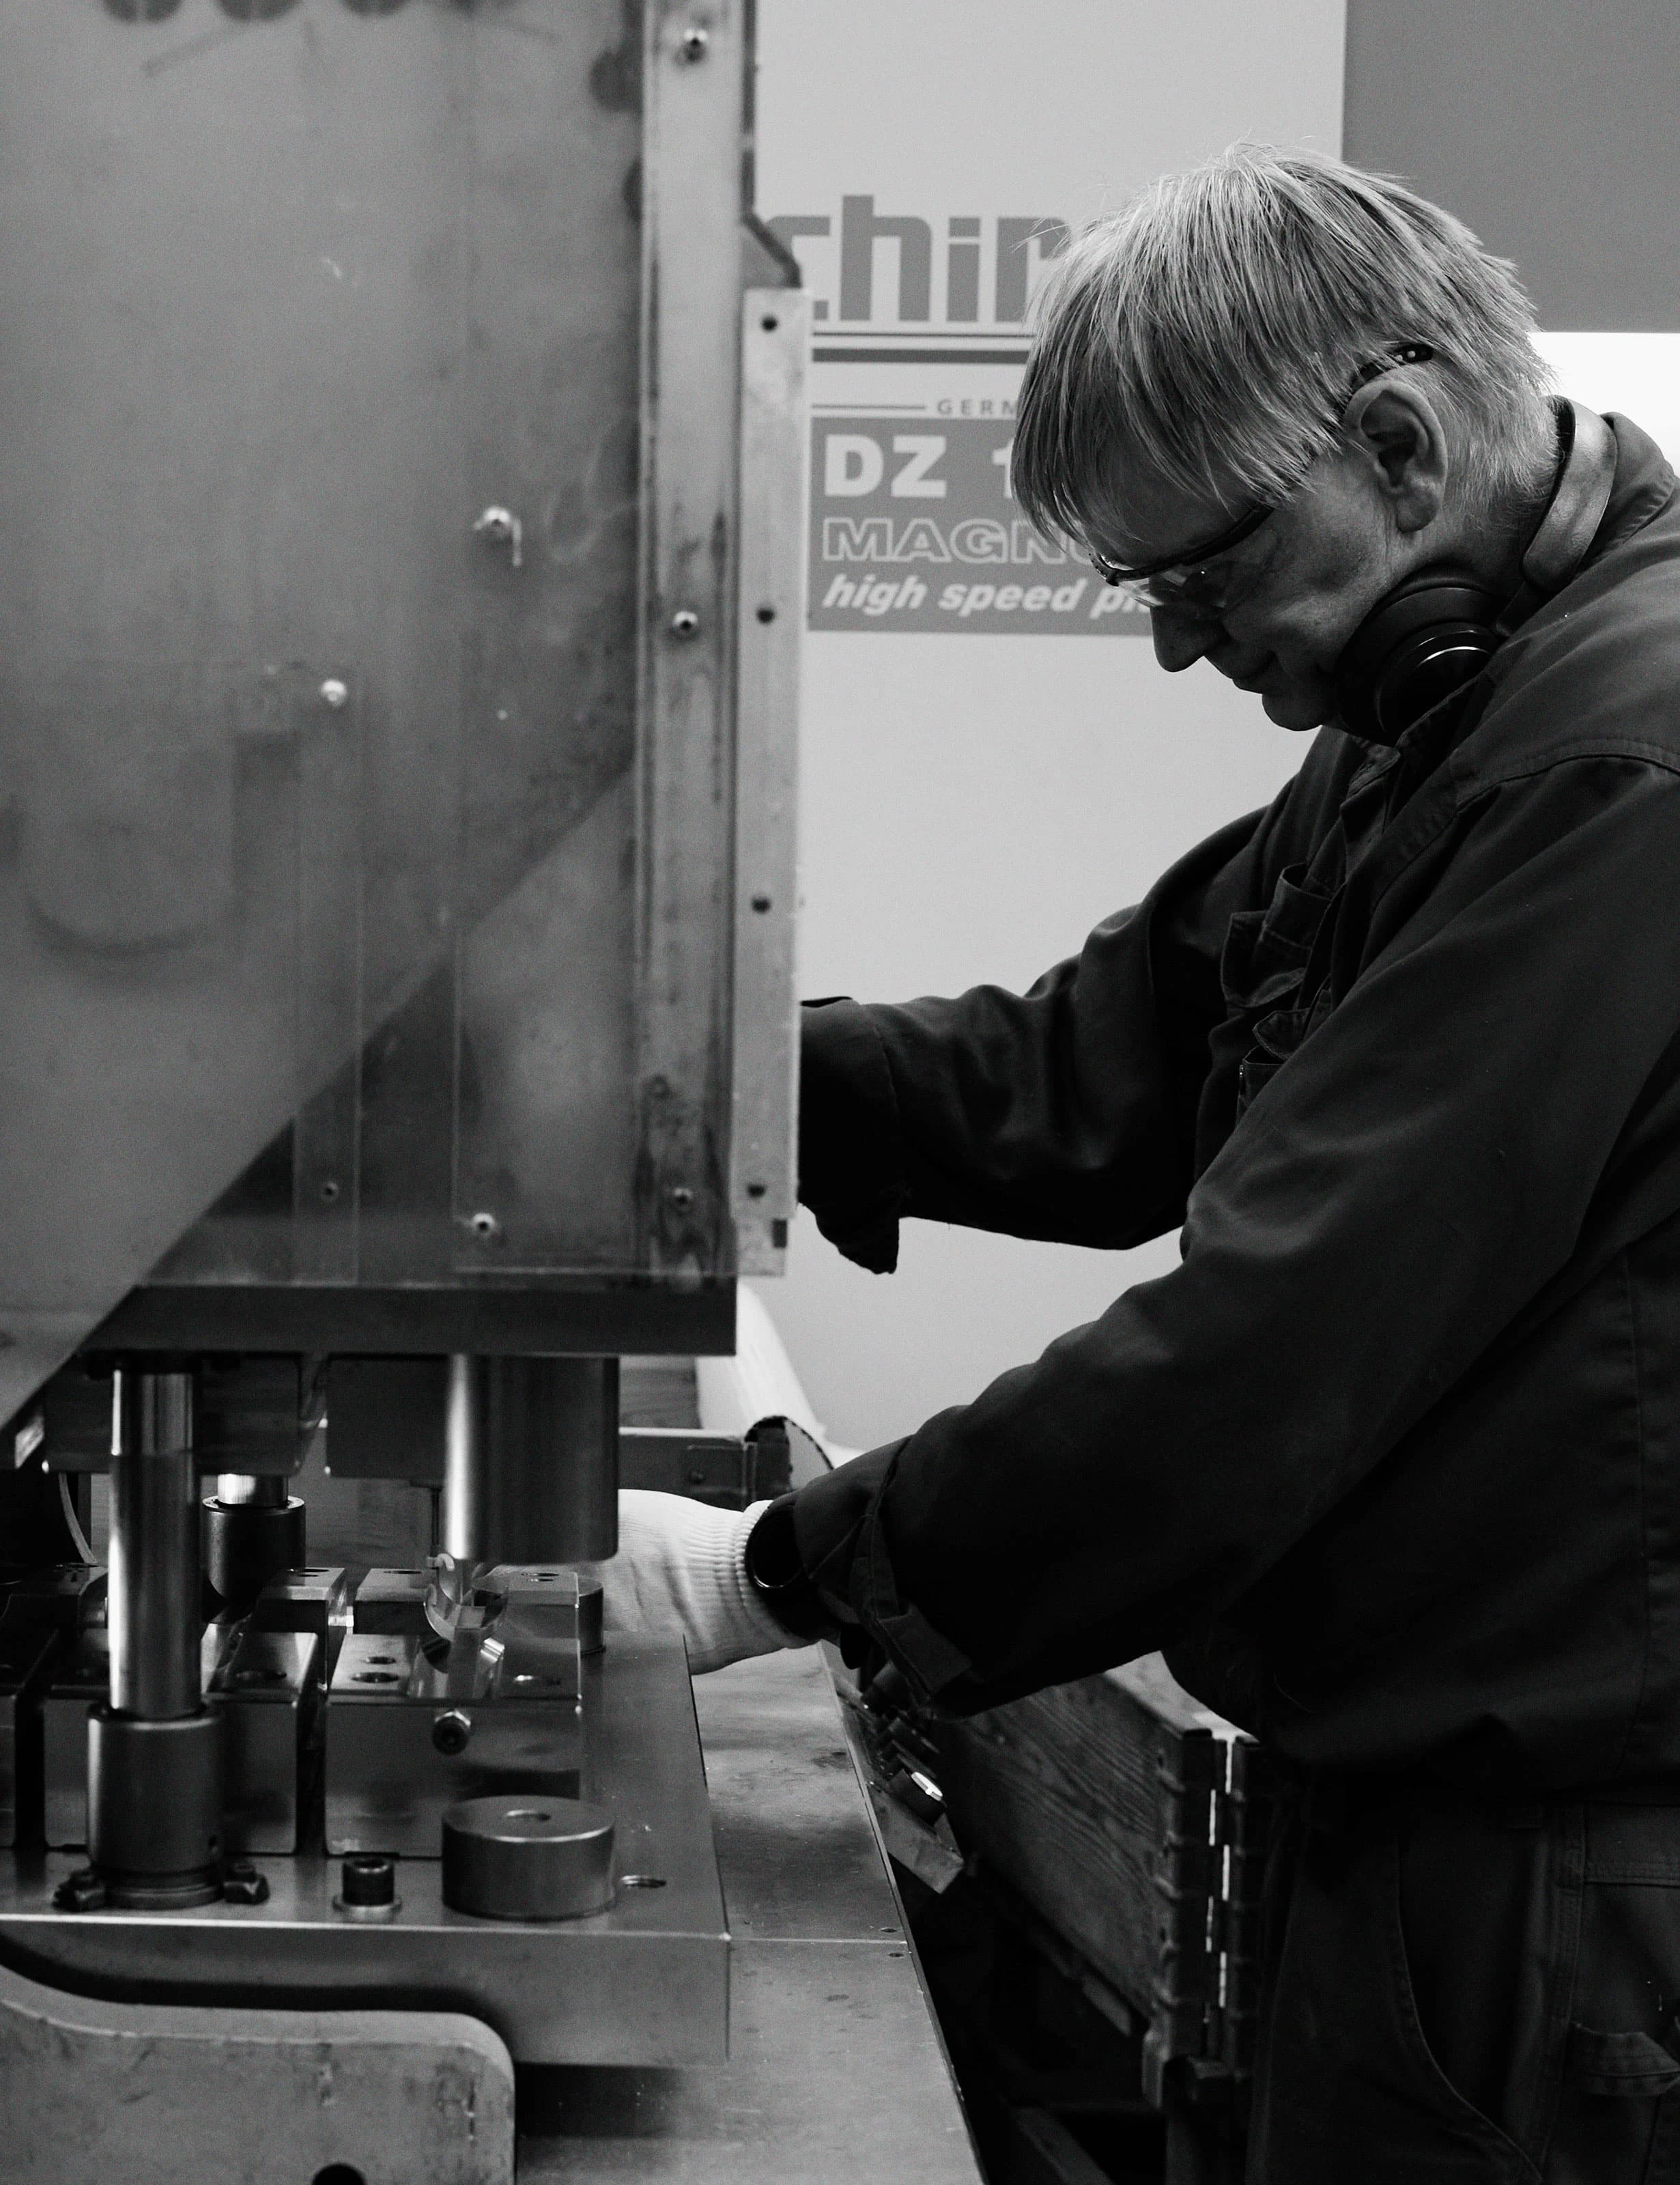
pixel 1396 430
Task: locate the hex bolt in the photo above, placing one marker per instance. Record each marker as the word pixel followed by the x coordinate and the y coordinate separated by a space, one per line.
pixel 693 42
pixel 84 1891
pixel 685 623
pixel 451 1730
pixel 335 694
pixel 242 1884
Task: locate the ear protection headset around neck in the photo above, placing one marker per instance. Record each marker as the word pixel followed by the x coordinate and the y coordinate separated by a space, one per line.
pixel 1432 635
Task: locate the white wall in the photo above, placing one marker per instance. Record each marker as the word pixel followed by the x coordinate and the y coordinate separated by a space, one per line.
pixel 981 838
pixel 971 805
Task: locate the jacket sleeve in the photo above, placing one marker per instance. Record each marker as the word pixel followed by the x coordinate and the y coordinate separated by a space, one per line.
pixel 1407 1182
pixel 1066 1112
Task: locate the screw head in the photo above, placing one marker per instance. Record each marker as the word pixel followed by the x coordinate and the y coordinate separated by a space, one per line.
pixel 681 1197
pixel 451 1730
pixel 335 695
pixel 485 1225
pixel 685 623
pixel 694 42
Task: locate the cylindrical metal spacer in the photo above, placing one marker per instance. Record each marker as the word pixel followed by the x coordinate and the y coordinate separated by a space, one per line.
pixel 529 1857
pixel 246 1544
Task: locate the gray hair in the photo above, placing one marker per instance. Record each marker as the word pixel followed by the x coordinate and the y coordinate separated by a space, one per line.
pixel 1215 329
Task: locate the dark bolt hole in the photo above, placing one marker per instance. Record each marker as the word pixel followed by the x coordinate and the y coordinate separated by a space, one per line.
pixel 760 902
pixel 770 324
pixel 767 614
pixel 329 1191
pixel 338 2173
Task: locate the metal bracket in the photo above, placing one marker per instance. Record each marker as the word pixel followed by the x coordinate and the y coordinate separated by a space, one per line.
pixel 401 2098
pixel 775 344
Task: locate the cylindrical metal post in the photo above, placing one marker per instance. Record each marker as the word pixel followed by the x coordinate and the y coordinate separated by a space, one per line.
pixel 532 1465
pixel 463 1518
pixel 253 1529
pixel 154 1613
pixel 154 1754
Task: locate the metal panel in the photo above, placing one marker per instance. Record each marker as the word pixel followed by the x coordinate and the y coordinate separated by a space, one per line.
pixel 691 281
pixel 775 344
pixel 368 559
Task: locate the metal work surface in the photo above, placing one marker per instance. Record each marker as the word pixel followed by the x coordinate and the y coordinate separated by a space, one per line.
pixel 836 2074
pixel 646 1982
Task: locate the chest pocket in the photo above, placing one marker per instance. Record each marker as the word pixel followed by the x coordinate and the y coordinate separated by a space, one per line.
pixel 1263 970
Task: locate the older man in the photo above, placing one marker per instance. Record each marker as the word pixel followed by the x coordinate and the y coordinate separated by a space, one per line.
pixel 1390 1464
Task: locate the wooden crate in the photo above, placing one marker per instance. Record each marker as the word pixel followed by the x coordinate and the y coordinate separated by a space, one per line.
pixel 1132 1820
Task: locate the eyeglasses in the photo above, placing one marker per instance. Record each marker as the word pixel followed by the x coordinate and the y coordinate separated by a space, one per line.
pixel 1187 579
pixel 1196 576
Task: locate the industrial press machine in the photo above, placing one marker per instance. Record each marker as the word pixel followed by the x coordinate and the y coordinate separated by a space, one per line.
pixel 400 535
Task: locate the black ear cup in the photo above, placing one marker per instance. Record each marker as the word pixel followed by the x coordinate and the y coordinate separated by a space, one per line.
pixel 1432 635
pixel 1429 638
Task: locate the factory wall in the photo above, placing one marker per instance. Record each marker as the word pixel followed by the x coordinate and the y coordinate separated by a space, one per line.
pixel 982 783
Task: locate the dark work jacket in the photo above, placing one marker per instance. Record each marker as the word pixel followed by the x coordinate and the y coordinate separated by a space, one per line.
pixel 1390 1463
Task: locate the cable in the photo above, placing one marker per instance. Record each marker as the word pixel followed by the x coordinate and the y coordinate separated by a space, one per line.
pixel 76 1533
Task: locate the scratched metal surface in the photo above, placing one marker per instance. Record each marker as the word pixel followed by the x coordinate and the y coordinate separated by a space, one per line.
pixel 321 827
pixel 836 2073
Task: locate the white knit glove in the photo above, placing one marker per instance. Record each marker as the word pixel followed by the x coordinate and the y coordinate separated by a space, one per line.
pixel 681 1565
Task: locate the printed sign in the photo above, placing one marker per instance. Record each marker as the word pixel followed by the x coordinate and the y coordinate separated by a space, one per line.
pixel 914 526
pixel 927 170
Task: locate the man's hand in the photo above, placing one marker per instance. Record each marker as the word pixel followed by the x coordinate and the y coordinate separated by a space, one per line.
pixel 682 1566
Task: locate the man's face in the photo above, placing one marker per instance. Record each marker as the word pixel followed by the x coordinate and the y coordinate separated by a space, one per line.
pixel 1292 594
